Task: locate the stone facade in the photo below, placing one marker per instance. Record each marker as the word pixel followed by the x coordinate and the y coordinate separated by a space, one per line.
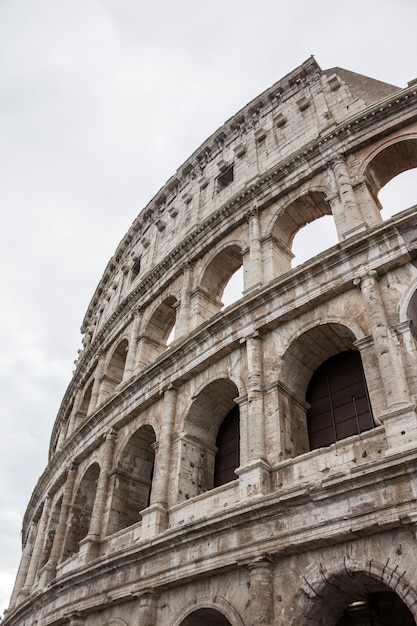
pixel 204 479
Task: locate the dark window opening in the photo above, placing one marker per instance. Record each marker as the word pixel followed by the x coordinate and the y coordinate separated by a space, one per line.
pixel 227 443
pixel 339 402
pixel 135 269
pixel 225 178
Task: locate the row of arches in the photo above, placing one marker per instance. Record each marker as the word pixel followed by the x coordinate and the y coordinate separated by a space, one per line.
pixel 310 221
pixel 352 598
pixel 336 404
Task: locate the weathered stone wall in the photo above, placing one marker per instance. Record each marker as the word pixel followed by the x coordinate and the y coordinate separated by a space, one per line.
pixel 125 526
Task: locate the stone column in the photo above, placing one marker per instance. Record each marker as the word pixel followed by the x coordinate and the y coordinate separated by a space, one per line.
pixel 73 418
pixel 400 422
pixel 37 548
pixel 24 564
pixel 98 378
pixel 255 277
pixel 261 592
pixel 130 369
pixel 58 544
pixel 89 545
pixel 148 604
pixel 353 217
pixel 183 321
pixel 154 518
pixel 254 476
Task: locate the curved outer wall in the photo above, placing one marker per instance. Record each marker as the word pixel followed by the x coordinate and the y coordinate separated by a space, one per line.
pixel 125 525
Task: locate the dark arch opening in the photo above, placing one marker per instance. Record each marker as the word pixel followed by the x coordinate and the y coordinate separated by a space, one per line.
pixel 338 399
pixel 380 608
pixel 115 370
pixel 211 427
pixel 85 403
pixel 81 510
pixel 356 598
pixel 205 617
pixel 227 443
pixel 133 480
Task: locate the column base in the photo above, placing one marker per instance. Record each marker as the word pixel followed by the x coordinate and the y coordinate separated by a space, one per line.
pixel 358 228
pixel 89 548
pixel 46 574
pixel 154 520
pixel 254 478
pixel 400 428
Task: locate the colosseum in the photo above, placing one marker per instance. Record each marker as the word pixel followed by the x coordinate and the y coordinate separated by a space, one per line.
pixel 254 464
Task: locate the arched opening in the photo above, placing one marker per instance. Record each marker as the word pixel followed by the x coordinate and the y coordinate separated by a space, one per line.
pixel 399 193
pixel 81 511
pixel 338 399
pixel 208 617
pixel 302 211
pixel 234 289
pixel 158 332
pixel 412 309
pixel 212 426
pixel 114 371
pixel 216 277
pixel 314 238
pixel 50 533
pixel 132 480
pixel 358 599
pixel 85 402
pixel 388 164
pixel 302 358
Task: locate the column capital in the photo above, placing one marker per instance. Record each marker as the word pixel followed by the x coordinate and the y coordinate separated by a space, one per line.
pixel 136 311
pixel 254 334
pixel 260 562
pixel 363 275
pixel 336 159
pixel 252 212
pixel 110 434
pixel 186 265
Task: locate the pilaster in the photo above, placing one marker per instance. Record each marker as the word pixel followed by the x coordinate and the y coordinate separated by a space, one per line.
pixel 400 420
pixel 261 591
pixel 255 276
pixel 353 218
pixel 91 542
pixel 254 472
pixel 133 344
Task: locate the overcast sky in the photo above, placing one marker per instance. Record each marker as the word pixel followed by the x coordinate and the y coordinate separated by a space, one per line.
pixel 100 102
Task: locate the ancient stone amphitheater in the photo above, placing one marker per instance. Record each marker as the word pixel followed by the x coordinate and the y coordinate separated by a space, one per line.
pixel 253 464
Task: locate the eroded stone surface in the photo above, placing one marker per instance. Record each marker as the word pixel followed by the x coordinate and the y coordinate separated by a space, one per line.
pixel 124 527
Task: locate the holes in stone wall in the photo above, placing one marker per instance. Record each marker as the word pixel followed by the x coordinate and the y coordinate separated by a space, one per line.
pixel 225 178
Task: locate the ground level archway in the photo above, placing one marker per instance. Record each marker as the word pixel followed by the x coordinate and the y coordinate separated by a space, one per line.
pixel 356 598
